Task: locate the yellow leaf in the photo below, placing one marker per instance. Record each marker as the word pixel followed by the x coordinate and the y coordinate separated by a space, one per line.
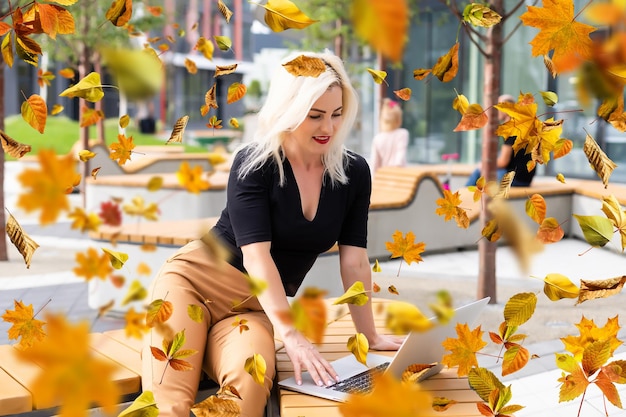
pixel 159 311
pixel 137 207
pixel 178 130
pixel 142 406
pixel 560 177
pixel 191 66
pixel 305 66
pixel 520 308
pixel 283 14
pixel 205 46
pixel 550 231
pixel 224 10
pixel 403 317
pixel 191 178
pixel 549 97
pixel 135 324
pixel 120 12
pixel 85 155
pixel 600 162
pixel 35 112
pixel 383 24
pixel 447 65
pixel 356 295
pixel 463 349
pixel 136 292
pixel 421 73
pixel 213 406
pixel 378 75
pixel 234 122
pixel 536 208
pixel 139 74
pixel 124 121
pixel 236 91
pixel 89 88
pixel 84 221
pixel 13 147
pixel 24 325
pixel 7 49
pixel 405 247
pixel 558 286
pixel 155 183
pixel 91 264
pixel 359 346
pixel 460 103
pixel 256 367
pixel 224 70
pixel 223 42
pixel 376 267
pixel 116 258
pixel 257 286
pixel 195 313
pixel 122 149
pixel 20 239
pixel 56 109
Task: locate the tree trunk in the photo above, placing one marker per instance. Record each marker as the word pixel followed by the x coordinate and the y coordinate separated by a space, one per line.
pixel 4 256
pixel 83 132
pixel 491 91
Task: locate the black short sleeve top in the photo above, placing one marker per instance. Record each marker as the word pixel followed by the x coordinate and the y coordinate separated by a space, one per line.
pixel 258 209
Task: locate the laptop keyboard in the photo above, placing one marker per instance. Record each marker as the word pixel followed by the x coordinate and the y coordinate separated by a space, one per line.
pixel 359 383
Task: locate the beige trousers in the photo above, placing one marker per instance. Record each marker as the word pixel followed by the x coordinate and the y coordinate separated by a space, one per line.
pixel 193 276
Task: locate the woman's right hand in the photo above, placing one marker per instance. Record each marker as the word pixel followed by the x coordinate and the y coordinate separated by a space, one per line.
pixel 304 356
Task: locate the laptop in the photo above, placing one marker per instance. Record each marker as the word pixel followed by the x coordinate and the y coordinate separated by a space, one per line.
pixel 417 348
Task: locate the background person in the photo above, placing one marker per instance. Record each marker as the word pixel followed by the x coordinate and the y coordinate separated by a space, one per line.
pixel 292 193
pixel 507 159
pixel 389 146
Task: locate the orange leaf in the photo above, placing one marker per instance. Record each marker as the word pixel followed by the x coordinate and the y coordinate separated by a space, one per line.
pixel 191 178
pixel 90 116
pixel 403 94
pixel 383 24
pixel 405 248
pixel 84 221
pixel 191 66
pixel 309 314
pixel 25 326
pixel 55 19
pixel 449 207
pixel 120 12
pixel 536 208
pixel 91 264
pixel 550 231
pixel 559 32
pixel 463 349
pixel 135 324
pixel 67 73
pixel 515 358
pixel 236 91
pixel 159 311
pixel 121 150
pixel 35 112
pixel 447 65
pixel 473 118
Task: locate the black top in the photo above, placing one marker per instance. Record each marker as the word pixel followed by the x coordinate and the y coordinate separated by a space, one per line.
pixel 259 210
pixel 518 163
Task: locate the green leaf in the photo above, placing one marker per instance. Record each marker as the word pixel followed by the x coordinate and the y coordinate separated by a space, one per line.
pixel 597 230
pixel 139 74
pixel 549 98
pixel 223 42
pixel 520 308
pixel 195 313
pixel 483 381
pixel 143 406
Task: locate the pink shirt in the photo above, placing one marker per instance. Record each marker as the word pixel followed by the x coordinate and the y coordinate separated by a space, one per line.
pixel 389 149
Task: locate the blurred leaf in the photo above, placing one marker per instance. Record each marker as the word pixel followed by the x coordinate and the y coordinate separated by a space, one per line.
pixel 143 406
pixel 283 14
pixel 359 346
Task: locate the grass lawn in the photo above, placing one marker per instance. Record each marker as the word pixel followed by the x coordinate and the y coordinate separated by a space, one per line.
pixel 61 133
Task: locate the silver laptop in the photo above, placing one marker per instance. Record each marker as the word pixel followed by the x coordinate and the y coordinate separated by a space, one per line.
pixel 418 347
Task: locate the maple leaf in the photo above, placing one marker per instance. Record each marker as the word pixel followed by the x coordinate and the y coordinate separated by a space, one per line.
pixel 308 313
pixel 91 264
pixel 389 397
pixel 46 188
pixel 110 213
pixel 135 324
pixel 449 207
pixel 191 178
pixel 559 32
pixel 463 349
pixel 137 207
pixel 121 150
pixel 25 325
pixel 84 221
pixel 173 353
pixel 590 333
pixel 405 248
pixel 71 373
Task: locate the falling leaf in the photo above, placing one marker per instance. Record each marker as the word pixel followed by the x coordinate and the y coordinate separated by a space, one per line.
pixel 447 65
pixel 110 213
pixel 612 208
pixel 173 353
pixel 191 66
pixel 155 183
pixel 35 112
pixel 536 208
pixel 359 346
pixel 89 116
pixel 597 230
pixel 84 221
pixel 558 31
pixel 67 73
pixel 91 264
pixel 242 324
pixel 599 161
pixel 124 121
pixel 214 123
pixel 376 267
pixel 483 382
pixel 558 286
pixel 236 91
pixel 159 311
pixel 383 24
pixel 122 149
pixel 463 349
pixel 143 269
pixel 205 46
pixel 305 66
pixel 308 314
pixel 89 88
pixel 283 14
pixel 520 308
pixel 441 404
pixel 403 317
pixel 137 207
pixel 356 295
pixel 560 177
pixel 549 97
pixel 12 147
pixel 178 130
pixel 392 289
pixel 143 406
pixel 120 12
pixel 138 73
pixel 256 367
pixel 550 231
pixel 224 10
pixel 449 207
pixel 85 155
pixel 421 73
pixel 257 286
pixel 234 123
pixel 403 94
pixel 473 117
pixel 117 259
pixel 135 324
pixel 378 75
pixel 603 288
pixel 224 70
pixel 215 406
pixel 24 325
pixel 223 42
pixel 191 178
pixel 136 292
pixel 480 15
pixel 375 288
pixel 25 245
pixel 56 109
pixel 195 313
pixel 405 247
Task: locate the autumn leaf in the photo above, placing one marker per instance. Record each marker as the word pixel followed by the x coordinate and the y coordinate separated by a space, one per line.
pixel 613 210
pixel 195 313
pixel 90 116
pixel 138 73
pixel 463 349
pixel 35 112
pixel 389 397
pixel 600 162
pixel 393 290
pixel 256 285
pixel 597 230
pixel 138 207
pixel 91 264
pixel 234 122
pixel 236 91
pixel 447 66
pixel 256 367
pixel 46 188
pixel 206 48
pixel 520 308
pixel 603 288
pixel 216 406
pixel 515 358
pixel 403 93
pixel 117 259
pixel 191 178
pixel 414 372
pixel 209 101
pixel 223 42
pixel 283 14
pixel 24 325
pixel 405 247
pixel 550 231
pixel 71 373
pixel 85 155
pixel 383 24
pixel 89 88
pixel 110 213
pixel 13 147
pixel 242 324
pixel 403 317
pixel 474 117
pixel 480 15
pixel 590 333
pixel 225 11
pixel 214 123
pixel 178 130
pixel 159 311
pixel 191 66
pixel 120 12
pixel 359 346
pixel 84 221
pixel 558 286
pixel 449 208
pixel 305 66
pixel 135 324
pixel 25 245
pixel 173 353
pixel 143 406
pixel 376 267
pixel 356 295
pixel 378 75
pixel 121 150
pixel 224 70
pixel 155 183
pixel 559 32
pixel 308 313
pixel 536 208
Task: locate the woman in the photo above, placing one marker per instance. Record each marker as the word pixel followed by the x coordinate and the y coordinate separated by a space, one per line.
pixel 390 144
pixel 292 193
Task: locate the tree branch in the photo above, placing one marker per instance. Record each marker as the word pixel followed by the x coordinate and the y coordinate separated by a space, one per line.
pixel 471 32
pixel 519 4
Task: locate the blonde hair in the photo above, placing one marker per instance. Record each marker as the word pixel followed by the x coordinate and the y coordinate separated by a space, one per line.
pixel 288 103
pixel 390 115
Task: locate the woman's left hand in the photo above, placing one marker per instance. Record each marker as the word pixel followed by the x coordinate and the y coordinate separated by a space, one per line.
pixel 385 342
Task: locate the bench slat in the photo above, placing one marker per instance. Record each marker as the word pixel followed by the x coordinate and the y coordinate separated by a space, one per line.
pixel 15 398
